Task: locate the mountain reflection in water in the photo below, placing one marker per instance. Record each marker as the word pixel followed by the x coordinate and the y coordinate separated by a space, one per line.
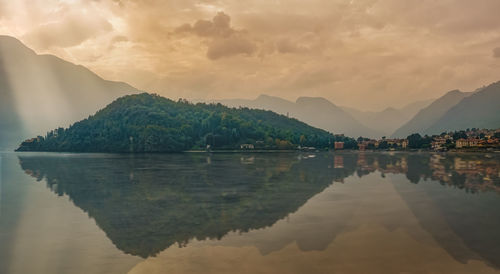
pixel 148 203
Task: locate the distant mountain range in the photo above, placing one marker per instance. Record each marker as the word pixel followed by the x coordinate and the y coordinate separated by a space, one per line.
pixel 389 119
pixel 315 111
pixel 320 112
pixel 457 110
pixel 41 92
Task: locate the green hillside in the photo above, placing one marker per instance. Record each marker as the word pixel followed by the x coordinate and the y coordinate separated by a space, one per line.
pixel 151 123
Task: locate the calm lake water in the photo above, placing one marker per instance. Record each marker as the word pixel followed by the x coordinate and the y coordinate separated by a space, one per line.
pixel 250 213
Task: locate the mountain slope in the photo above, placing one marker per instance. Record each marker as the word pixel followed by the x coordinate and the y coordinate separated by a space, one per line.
pixel 44 91
pixel 321 113
pixel 479 110
pixel 389 119
pixel 429 115
pixel 150 123
pixel 315 111
pixel 266 102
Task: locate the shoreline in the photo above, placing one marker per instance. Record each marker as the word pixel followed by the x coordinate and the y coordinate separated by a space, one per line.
pixel 264 151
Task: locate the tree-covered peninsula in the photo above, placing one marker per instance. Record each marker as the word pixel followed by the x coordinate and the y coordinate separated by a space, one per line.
pixel 151 123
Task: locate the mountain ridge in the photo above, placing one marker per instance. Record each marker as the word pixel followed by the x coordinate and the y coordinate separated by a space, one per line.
pixel 44 91
pixel 430 114
pixel 325 115
pixel 481 109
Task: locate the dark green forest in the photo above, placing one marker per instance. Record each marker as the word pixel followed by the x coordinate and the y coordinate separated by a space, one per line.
pixel 151 123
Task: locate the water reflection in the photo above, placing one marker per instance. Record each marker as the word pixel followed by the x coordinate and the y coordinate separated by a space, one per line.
pixel 148 203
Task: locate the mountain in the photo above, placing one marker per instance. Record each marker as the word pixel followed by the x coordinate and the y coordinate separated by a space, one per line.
pixel 151 123
pixel 431 114
pixel 315 111
pixel 276 104
pixel 389 119
pixel 39 92
pixel 479 110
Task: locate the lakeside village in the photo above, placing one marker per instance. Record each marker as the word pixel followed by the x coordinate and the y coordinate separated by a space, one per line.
pixel 464 140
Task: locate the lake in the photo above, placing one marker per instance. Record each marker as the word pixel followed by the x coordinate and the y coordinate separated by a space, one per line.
pixel 347 212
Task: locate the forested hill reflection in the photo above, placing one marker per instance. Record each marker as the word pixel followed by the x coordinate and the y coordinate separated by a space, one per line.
pixel 146 203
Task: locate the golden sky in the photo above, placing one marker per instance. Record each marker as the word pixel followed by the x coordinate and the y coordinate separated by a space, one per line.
pixel 363 53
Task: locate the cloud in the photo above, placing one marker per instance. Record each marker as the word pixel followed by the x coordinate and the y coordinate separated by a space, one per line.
pixel 71 30
pixel 496 52
pixel 233 45
pixel 218 27
pixel 306 43
pixel 224 40
pixel 119 38
pixel 365 53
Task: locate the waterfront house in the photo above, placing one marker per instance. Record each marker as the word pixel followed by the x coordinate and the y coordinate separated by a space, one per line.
pixel 247 146
pixel 339 145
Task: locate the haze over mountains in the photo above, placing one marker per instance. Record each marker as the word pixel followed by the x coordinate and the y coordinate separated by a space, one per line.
pixel 320 112
pixel 315 111
pixel 389 119
pixel 42 92
pixel 479 110
pixel 455 110
pixel 430 114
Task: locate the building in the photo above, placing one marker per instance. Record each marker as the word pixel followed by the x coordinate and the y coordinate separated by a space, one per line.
pixel 404 144
pixel 469 142
pixel 247 146
pixel 438 143
pixel 460 143
pixel 472 142
pixel 339 145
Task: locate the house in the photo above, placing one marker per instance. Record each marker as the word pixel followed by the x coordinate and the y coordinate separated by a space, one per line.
pixel 404 144
pixel 247 146
pixel 460 143
pixel 469 142
pixel 472 142
pixel 339 145
pixel 438 143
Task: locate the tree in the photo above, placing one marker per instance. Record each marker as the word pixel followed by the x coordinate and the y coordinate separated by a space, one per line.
pixel 383 145
pixel 414 140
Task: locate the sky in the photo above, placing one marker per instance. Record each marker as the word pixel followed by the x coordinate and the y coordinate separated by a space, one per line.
pixel 368 54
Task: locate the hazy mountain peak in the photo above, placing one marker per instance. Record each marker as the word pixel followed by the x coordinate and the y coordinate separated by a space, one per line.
pixel 304 100
pixel 389 110
pixel 271 98
pixel 431 114
pixel 454 92
pixel 263 96
pixel 11 45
